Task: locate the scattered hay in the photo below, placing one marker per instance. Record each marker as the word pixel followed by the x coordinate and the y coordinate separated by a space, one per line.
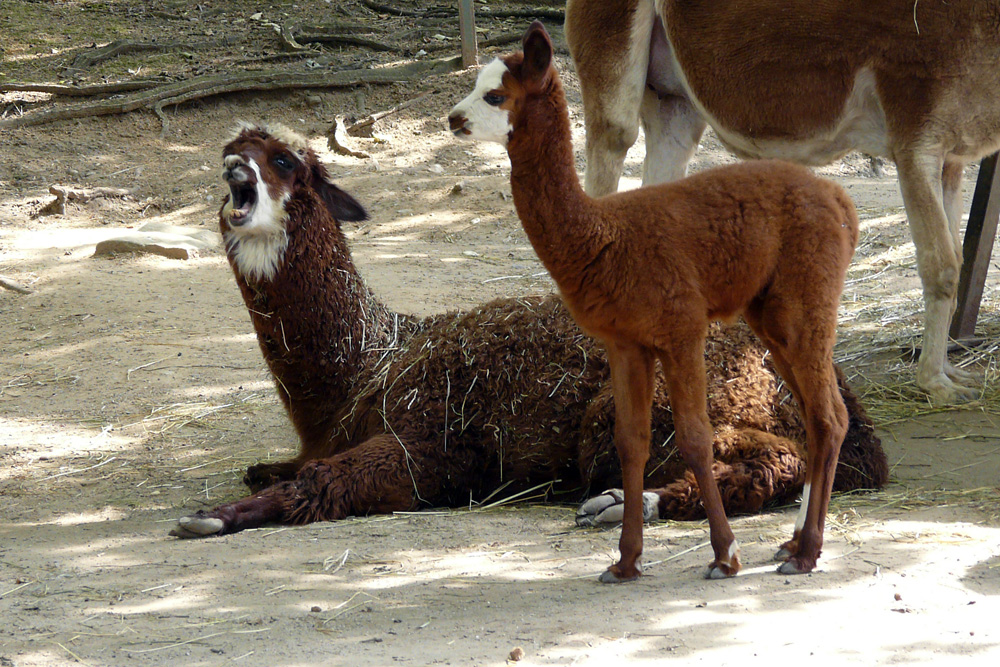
pixel 881 326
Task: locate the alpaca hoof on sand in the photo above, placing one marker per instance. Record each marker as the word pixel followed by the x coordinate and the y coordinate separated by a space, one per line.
pixel 716 572
pixel 793 566
pixel 782 554
pixel 197 525
pixel 950 389
pixel 610 577
pixel 607 508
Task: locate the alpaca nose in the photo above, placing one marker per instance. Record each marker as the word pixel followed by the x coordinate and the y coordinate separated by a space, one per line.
pixel 236 170
pixel 456 123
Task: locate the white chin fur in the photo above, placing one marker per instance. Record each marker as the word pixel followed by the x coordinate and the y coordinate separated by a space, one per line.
pixel 258 246
pixel 485 122
pixel 257 257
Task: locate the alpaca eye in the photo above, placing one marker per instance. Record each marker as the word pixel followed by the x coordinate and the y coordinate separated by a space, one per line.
pixel 493 99
pixel 283 162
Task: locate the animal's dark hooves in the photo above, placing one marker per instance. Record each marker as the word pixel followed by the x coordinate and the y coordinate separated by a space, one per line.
pixel 197 525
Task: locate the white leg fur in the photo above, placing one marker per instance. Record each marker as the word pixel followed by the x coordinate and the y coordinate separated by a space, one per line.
pixel 800 521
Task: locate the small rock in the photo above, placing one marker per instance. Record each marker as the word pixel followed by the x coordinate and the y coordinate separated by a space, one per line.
pixel 314 100
pixel 470 253
pixel 315 610
pixel 124 246
pixel 516 654
pixel 156 238
pixel 436 169
pixel 457 188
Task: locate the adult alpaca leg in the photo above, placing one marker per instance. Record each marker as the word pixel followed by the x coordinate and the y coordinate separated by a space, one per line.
pixel 939 261
pixel 373 477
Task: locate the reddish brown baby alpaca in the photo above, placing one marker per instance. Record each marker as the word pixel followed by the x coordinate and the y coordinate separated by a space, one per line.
pixel 646 271
pixel 394 412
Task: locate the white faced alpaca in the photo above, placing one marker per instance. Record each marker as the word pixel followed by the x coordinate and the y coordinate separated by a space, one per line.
pixel 486 118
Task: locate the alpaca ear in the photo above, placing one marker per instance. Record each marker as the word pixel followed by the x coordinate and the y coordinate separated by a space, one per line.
pixel 342 206
pixel 537 49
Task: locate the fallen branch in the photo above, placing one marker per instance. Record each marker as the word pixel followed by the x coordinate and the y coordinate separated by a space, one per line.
pixel 363 128
pixel 500 40
pixel 392 11
pixel 7 283
pixel 551 13
pixel 63 194
pixel 336 140
pixel 205 86
pixel 344 40
pixel 86 194
pixel 288 41
pixel 64 90
pixel 114 49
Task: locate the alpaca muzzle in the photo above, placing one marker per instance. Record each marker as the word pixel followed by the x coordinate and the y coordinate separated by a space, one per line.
pixel 457 125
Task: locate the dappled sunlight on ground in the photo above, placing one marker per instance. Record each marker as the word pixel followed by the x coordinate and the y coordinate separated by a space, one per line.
pixel 133 392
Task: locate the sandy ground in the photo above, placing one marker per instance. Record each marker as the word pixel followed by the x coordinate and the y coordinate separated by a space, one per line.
pixel 132 391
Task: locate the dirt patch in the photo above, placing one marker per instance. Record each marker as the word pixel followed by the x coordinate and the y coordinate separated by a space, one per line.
pixel 132 391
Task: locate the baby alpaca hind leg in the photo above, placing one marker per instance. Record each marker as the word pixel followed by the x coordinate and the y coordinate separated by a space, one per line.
pixel 802 347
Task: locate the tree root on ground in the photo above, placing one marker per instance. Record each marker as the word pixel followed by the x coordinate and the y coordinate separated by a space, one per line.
pixel 155 99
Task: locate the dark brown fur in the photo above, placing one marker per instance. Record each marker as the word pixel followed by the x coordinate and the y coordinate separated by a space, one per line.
pixel 509 395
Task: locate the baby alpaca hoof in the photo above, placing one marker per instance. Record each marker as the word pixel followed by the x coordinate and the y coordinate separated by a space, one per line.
pixel 721 571
pixel 787 550
pixel 197 525
pixel 608 508
pixel 614 575
pixel 795 566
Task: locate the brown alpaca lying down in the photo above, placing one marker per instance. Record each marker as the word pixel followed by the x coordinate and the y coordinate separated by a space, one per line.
pixel 396 413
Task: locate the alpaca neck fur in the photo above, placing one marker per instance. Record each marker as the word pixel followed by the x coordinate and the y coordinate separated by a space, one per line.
pixel 319 326
pixel 546 189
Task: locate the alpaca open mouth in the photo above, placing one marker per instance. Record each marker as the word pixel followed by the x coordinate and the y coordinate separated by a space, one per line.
pixel 243 197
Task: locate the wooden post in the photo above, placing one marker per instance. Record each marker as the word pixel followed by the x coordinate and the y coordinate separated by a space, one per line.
pixel 977 248
pixel 467 26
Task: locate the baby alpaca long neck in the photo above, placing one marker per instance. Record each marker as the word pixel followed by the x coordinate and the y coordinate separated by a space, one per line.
pixel 559 218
